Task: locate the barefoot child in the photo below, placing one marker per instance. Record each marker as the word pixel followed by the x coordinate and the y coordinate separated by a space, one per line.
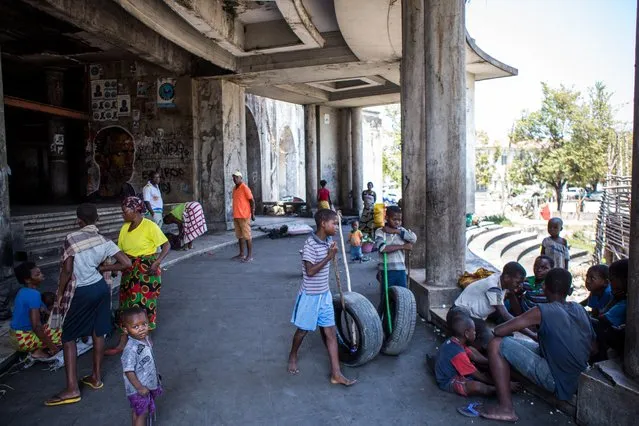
pixel 554 246
pixel 141 380
pixel 314 304
pixel 455 369
pixel 355 240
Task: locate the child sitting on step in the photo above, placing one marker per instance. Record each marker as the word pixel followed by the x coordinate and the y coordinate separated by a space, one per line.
pixel 455 368
pixel 600 290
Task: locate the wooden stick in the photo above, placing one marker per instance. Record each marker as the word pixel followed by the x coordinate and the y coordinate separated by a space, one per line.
pixel 341 238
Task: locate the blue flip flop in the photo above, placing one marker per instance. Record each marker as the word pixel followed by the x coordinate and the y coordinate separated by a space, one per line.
pixel 469 410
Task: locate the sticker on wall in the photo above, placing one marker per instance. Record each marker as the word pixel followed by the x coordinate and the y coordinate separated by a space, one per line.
pixel 142 89
pixel 57 145
pixel 124 105
pixel 104 89
pixel 95 72
pixel 166 93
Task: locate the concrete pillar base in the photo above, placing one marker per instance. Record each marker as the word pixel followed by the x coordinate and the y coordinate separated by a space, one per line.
pixel 607 396
pixel 430 297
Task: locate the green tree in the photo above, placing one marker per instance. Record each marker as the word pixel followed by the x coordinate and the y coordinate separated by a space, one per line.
pixel 392 153
pixel 484 169
pixel 565 141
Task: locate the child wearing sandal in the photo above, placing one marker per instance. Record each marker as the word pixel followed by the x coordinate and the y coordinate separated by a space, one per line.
pixel 141 379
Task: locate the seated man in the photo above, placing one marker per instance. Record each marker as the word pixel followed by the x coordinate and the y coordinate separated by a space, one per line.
pixel 566 340
pixel 485 297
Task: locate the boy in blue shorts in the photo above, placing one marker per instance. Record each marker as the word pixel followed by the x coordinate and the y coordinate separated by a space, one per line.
pixel 314 305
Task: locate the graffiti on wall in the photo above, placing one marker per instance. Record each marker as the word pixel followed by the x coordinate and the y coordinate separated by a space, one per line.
pixel 168 154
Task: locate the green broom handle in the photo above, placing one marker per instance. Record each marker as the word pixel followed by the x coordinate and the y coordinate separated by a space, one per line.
pixel 388 314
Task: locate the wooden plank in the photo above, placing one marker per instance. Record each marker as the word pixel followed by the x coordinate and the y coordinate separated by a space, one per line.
pixel 45 108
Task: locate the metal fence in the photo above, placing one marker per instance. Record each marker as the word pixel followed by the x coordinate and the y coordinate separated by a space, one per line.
pixel 613 221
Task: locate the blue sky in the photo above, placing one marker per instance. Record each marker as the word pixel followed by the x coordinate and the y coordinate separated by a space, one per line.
pixel 570 42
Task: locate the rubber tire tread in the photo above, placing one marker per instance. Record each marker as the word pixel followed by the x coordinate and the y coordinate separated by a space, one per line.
pixel 370 334
pixel 403 316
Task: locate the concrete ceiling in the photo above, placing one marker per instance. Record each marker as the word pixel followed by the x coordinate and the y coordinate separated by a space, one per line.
pixel 334 52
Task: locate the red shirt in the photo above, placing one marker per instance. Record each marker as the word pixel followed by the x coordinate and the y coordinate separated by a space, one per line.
pixel 323 194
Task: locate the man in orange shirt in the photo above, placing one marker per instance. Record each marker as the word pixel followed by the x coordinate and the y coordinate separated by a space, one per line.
pixel 243 213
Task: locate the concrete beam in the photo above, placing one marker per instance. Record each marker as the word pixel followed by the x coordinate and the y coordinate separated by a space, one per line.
pixel 280 94
pixel 307 74
pixel 386 89
pixel 209 18
pixel 300 22
pixel 312 93
pixel 334 51
pixel 159 17
pixel 116 26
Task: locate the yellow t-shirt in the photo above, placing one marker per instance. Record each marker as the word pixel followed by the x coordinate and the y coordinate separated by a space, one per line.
pixel 143 240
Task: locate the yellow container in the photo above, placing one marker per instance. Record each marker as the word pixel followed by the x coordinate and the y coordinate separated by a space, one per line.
pixel 379 211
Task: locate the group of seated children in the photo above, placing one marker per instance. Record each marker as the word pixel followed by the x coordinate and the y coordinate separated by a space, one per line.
pixel 563 337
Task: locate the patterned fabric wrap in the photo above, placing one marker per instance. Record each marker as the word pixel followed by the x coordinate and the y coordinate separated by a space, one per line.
pixel 134 203
pixel 366 222
pixel 194 222
pixel 28 341
pixel 323 205
pixel 84 239
pixel 140 288
pixel 144 404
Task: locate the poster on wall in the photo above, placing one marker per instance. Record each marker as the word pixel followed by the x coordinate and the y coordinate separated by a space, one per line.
pixel 104 89
pixel 124 105
pixel 57 145
pixel 142 89
pixel 105 110
pixel 95 72
pixel 166 93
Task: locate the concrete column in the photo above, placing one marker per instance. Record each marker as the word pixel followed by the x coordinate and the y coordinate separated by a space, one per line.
pixel 631 358
pixel 6 252
pixel 310 155
pixel 58 164
pixel 434 146
pixel 470 143
pixel 220 142
pixel 345 161
pixel 413 126
pixel 357 149
pixel 445 97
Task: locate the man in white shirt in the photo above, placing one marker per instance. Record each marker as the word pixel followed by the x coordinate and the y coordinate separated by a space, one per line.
pixel 153 199
pixel 486 297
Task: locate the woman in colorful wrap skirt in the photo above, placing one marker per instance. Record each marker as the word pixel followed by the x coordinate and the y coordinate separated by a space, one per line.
pixel 139 239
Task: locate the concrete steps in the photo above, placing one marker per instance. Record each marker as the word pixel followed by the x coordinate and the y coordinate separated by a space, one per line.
pixel 500 245
pixel 41 235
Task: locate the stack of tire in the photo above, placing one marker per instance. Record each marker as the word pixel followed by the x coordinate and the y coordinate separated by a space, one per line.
pixel 370 332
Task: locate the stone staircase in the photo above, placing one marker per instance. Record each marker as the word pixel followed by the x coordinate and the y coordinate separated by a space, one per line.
pixel 41 235
pixel 500 245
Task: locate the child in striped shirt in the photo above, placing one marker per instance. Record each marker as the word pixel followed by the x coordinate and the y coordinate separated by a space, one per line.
pixel 314 304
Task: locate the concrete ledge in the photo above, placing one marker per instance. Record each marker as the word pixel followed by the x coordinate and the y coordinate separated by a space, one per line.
pixel 607 397
pixel 428 297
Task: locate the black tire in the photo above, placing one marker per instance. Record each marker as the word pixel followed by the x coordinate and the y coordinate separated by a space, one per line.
pixel 403 314
pixel 368 329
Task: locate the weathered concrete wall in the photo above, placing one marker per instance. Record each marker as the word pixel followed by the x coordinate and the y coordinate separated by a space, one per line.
pixel 328 147
pixel 280 126
pixel 372 144
pixel 147 135
pixel 470 143
pixel 357 152
pixel 254 159
pixel 6 252
pixel 220 145
pixel 310 155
